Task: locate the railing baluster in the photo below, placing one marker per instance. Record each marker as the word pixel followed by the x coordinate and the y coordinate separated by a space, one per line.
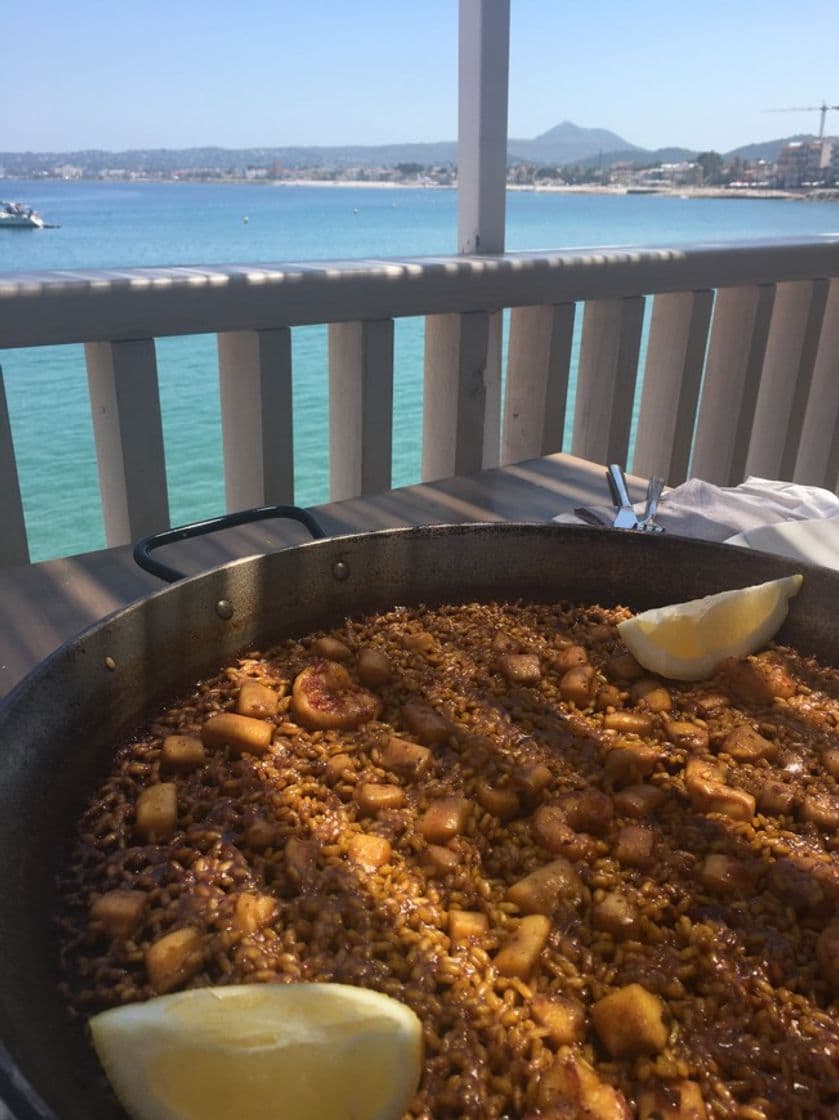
pixel 672 378
pixel 13 546
pixel 256 417
pixel 360 407
pixel 455 412
pixel 817 463
pixel 732 377
pixel 538 362
pixel 124 400
pixel 606 378
pixel 785 382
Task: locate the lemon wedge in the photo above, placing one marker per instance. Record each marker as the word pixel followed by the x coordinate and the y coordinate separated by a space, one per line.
pixel 687 641
pixel 260 1051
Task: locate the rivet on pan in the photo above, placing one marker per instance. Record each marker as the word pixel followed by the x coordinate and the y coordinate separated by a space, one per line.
pixel 224 608
pixel 110 663
pixel 341 569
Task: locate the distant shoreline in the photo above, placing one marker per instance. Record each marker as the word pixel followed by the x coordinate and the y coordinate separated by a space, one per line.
pixel 566 188
pixel 685 192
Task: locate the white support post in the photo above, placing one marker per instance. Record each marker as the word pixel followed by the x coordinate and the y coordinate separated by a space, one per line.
pixel 256 417
pixel 484 37
pixel 360 408
pixel 818 450
pixel 672 380
pixel 733 367
pixel 457 348
pixel 483 75
pixel 606 378
pixel 125 404
pixel 787 374
pixel 538 362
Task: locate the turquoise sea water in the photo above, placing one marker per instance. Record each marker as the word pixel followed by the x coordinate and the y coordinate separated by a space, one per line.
pixel 113 224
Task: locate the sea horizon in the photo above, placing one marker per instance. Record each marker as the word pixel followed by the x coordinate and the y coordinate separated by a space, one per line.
pixel 122 224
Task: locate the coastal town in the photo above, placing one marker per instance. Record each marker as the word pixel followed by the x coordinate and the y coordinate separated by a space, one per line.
pixel 804 167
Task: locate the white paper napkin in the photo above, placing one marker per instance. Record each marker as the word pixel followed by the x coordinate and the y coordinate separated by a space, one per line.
pixel 714 513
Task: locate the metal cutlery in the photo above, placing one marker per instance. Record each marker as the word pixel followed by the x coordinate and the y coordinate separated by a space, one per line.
pixel 648 521
pixel 625 518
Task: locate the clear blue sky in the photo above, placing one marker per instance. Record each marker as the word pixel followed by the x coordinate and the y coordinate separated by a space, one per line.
pixel 186 73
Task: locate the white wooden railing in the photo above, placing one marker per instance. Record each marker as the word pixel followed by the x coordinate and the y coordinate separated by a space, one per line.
pixel 741 373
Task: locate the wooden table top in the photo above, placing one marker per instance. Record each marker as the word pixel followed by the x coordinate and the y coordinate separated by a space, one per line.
pixel 43 605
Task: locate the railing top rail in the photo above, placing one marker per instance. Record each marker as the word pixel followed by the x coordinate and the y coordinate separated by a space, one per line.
pixel 40 308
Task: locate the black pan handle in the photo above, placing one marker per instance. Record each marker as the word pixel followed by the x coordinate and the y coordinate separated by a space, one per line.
pixel 143 548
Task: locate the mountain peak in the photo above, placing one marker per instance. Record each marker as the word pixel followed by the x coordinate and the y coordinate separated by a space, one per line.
pixel 567 131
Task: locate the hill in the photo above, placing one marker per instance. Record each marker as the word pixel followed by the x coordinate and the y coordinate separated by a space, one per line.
pixel 564 144
pixel 768 150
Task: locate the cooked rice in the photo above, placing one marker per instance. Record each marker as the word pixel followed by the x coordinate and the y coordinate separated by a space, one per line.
pixel 747 1003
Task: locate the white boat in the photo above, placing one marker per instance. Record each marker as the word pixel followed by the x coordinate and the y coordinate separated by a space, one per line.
pixel 15 215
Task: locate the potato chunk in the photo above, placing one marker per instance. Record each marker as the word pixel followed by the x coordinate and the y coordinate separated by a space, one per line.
pixel 373 667
pixel 630 1022
pixel 174 959
pixel 333 649
pixel 409 760
pixel 520 668
pixel 570 658
pixel 373 797
pixel 627 762
pixel 616 915
pixel 639 801
pixel 337 766
pixel 757 682
pixel 182 753
pixel 300 858
pixel 440 860
pixel 624 667
pixel 119 912
pixel 325 698
pixel 444 818
pixel 633 845
pixel 708 792
pixel 776 798
pixel 588 810
pixel 578 686
pixel 257 700
pixel 519 954
pixel 744 744
pixel 680 1100
pixel 572 1087
pixel 690 736
pixel 157 812
pixel 427 724
pixel 564 1018
pixel 464 925
pixel 531 781
pixel 369 852
pixel 725 874
pixel 541 890
pixel 253 912
pixel 628 723
pixel 651 694
pixel 501 803
pixel 242 734
pixel 821 808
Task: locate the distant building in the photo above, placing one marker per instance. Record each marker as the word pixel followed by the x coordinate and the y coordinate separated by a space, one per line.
pixel 805 162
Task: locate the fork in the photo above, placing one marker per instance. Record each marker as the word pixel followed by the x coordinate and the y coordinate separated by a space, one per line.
pixel 648 522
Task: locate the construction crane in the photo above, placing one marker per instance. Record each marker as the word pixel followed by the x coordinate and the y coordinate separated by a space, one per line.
pixel 823 109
